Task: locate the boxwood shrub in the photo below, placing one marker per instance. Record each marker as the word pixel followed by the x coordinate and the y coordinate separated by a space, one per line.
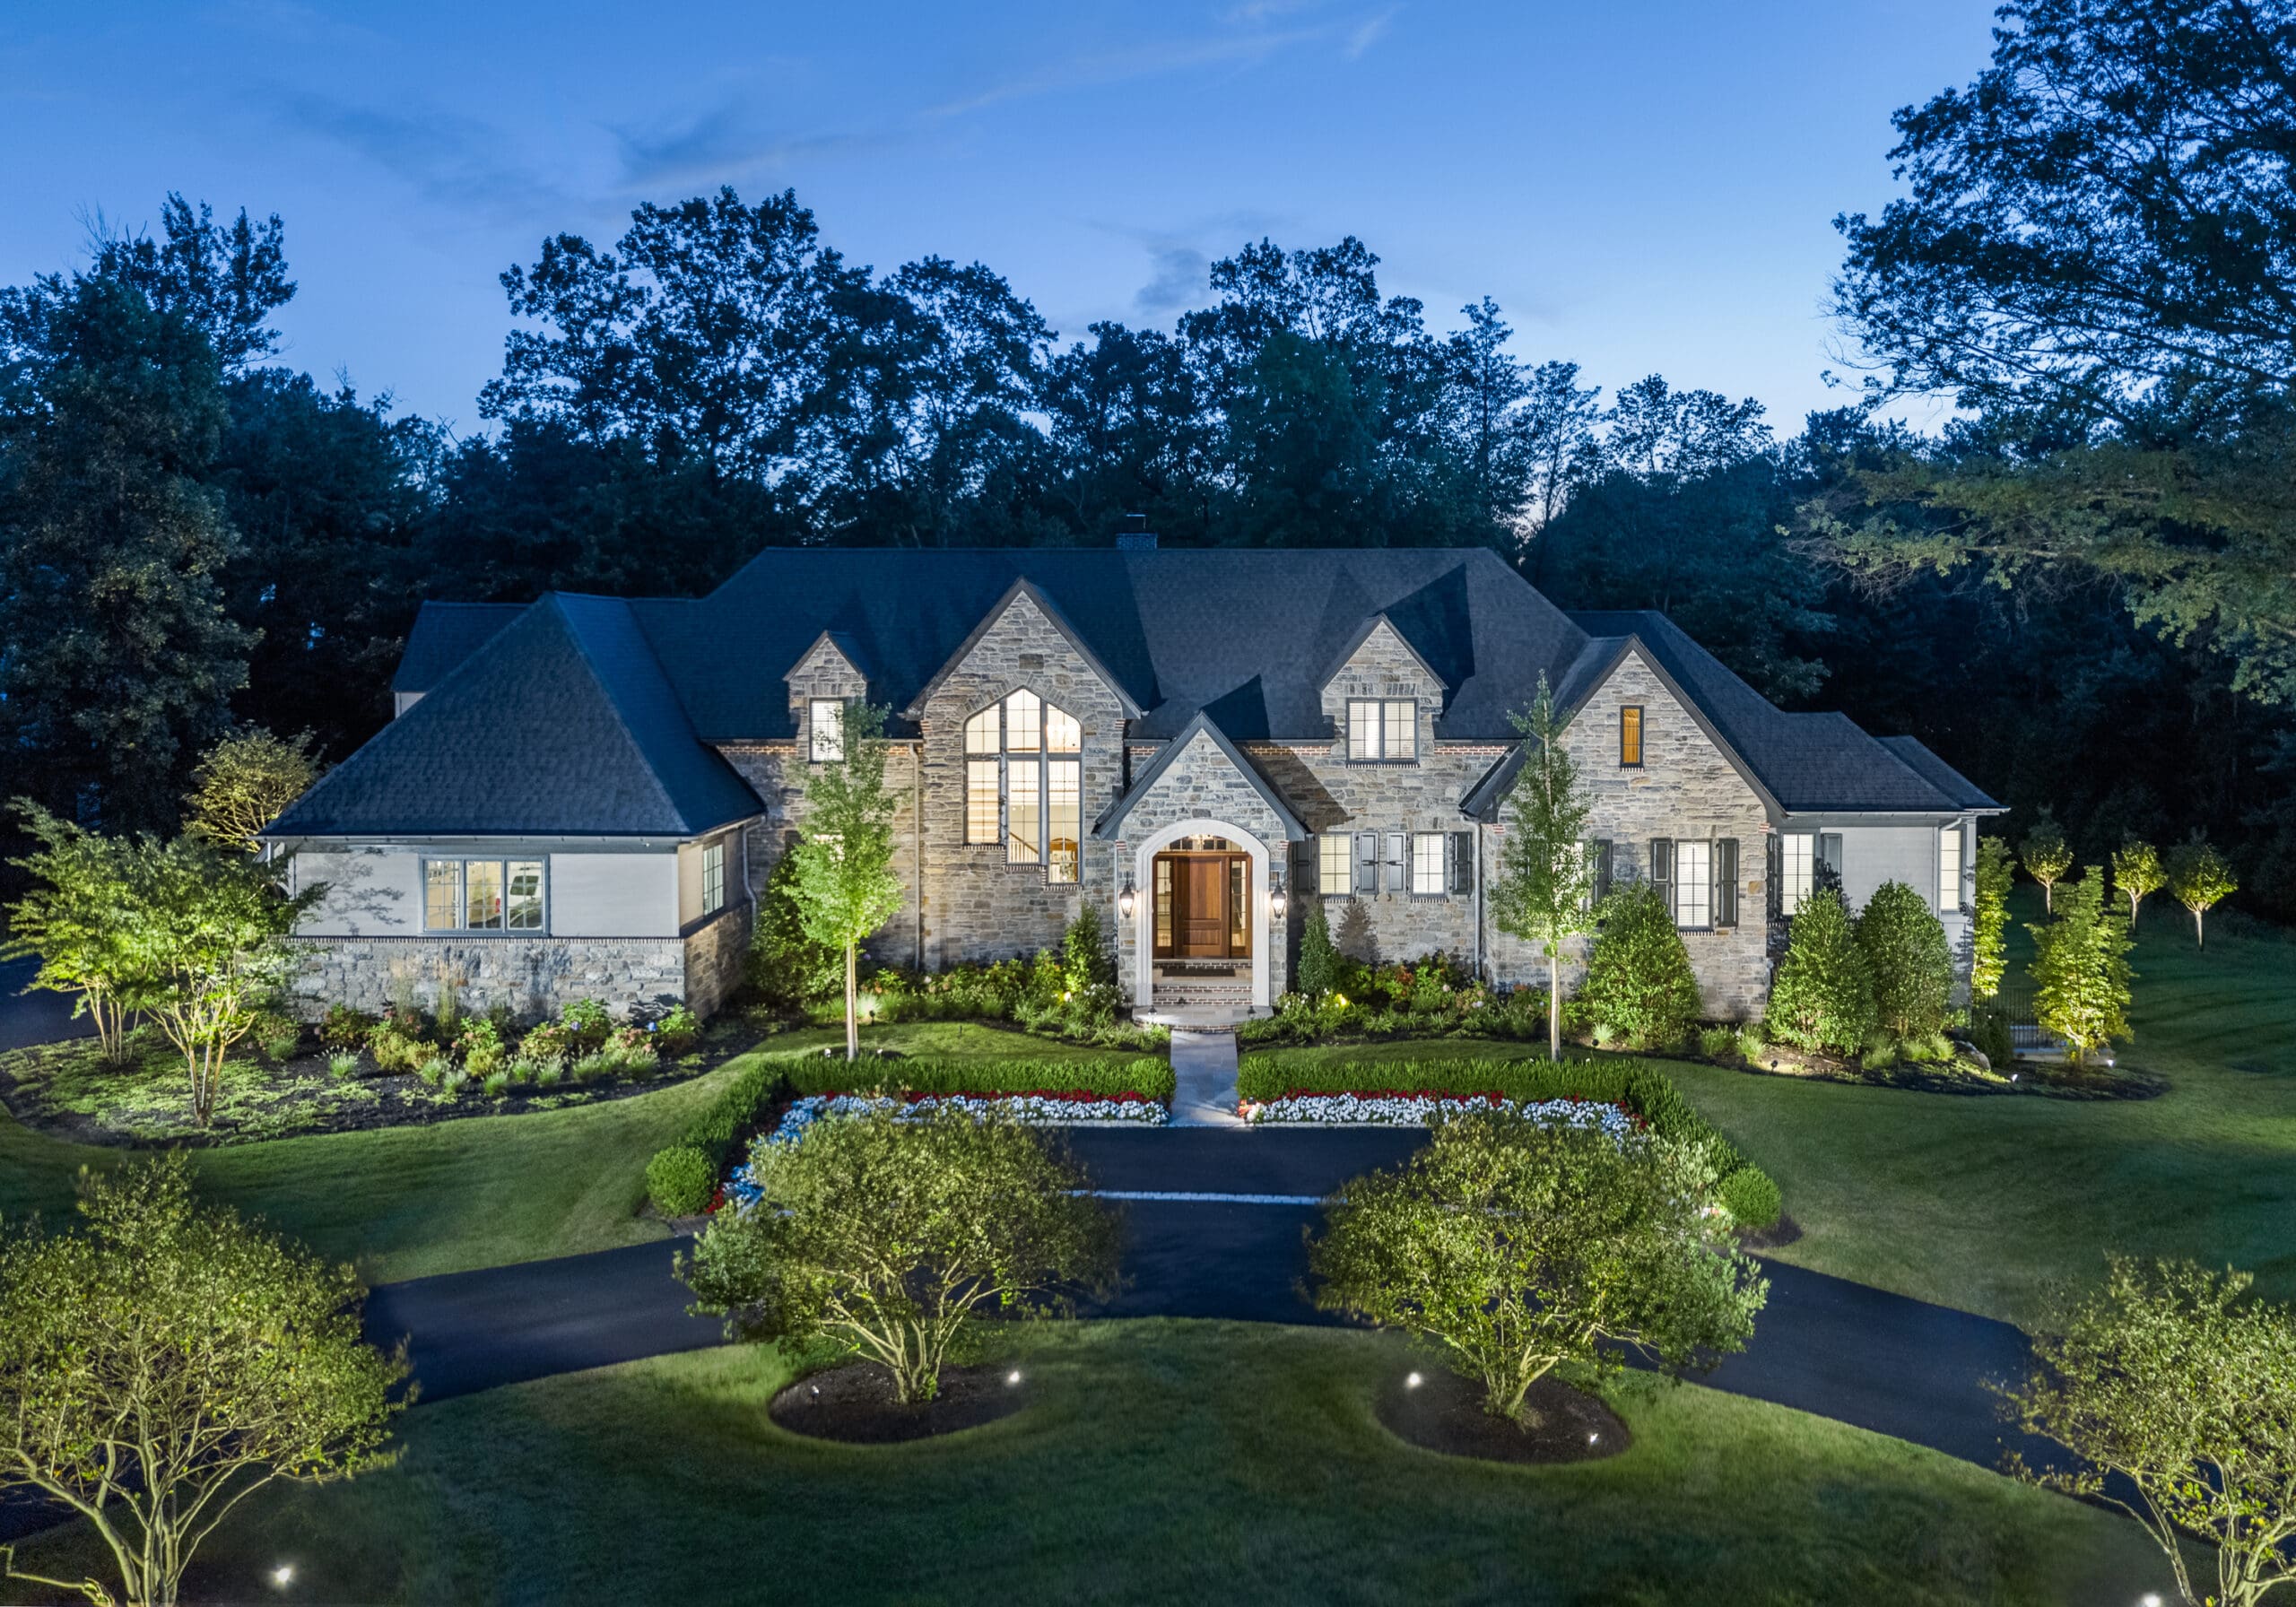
pixel 1752 1199
pixel 1641 1088
pixel 680 1180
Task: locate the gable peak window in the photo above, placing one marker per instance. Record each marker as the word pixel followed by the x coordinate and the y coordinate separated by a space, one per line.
pixel 1024 783
pixel 825 727
pixel 1382 730
pixel 1630 736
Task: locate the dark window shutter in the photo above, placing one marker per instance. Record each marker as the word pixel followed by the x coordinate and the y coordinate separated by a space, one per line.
pixel 1306 865
pixel 1725 881
pixel 1602 869
pixel 1773 871
pixel 1367 862
pixel 1463 862
pixel 1662 870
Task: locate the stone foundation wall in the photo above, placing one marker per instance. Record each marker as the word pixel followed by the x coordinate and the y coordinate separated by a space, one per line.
pixel 534 977
pixel 713 959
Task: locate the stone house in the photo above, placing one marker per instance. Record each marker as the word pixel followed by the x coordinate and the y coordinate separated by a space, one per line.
pixel 582 797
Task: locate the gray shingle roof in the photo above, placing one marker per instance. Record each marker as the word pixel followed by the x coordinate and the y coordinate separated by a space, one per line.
pixel 1964 793
pixel 444 634
pixel 559 723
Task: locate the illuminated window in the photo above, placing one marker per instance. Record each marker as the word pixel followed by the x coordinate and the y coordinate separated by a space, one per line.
pixel 1163 903
pixel 1024 723
pixel 1629 735
pixel 1427 864
pixel 1797 858
pixel 826 723
pixel 1063 814
pixel 1383 730
pixel 1949 870
pixel 1062 735
pixel 1693 874
pixel 1016 794
pixel 982 796
pixel 481 895
pixel 1335 854
pixel 1023 792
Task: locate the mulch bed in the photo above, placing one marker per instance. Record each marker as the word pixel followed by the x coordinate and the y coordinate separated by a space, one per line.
pixel 855 1405
pixel 1445 1414
pixel 2050 1080
pixel 1780 1233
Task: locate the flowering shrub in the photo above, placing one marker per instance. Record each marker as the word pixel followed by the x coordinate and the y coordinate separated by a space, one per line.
pixel 586 1023
pixel 547 1042
pixel 1416 1109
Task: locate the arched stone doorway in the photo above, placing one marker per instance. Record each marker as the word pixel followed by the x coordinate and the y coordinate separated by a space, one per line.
pixel 1202 917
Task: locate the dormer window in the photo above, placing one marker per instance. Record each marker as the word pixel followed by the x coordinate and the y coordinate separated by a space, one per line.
pixel 1024 784
pixel 825 723
pixel 1382 731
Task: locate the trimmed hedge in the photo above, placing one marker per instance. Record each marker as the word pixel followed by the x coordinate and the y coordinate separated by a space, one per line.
pixel 1148 1076
pixel 1642 1089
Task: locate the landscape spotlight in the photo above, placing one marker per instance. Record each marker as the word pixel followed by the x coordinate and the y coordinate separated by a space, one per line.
pixel 1412 1382
pixel 283 1576
pixel 1013 1377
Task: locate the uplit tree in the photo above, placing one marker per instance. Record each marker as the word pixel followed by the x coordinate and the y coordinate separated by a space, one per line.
pixel 2081 973
pixel 1823 996
pixel 244 783
pixel 208 924
pixel 844 886
pixel 2200 880
pixel 166 1362
pixel 891 1235
pixel 2174 1381
pixel 1908 956
pixel 2137 874
pixel 2046 856
pixel 76 920
pixel 1989 919
pixel 1545 892
pixel 1513 1249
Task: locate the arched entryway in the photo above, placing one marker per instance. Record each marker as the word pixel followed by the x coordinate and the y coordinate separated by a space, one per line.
pixel 1203 936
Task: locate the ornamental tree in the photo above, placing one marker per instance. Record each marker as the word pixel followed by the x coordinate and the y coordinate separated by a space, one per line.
pixel 2199 879
pixel 1989 921
pixel 1320 957
pixel 846 886
pixel 2172 1380
pixel 165 1360
pixel 2081 973
pixel 1823 996
pixel 1512 1249
pixel 244 783
pixel 891 1235
pixel 2137 874
pixel 2046 857
pixel 1544 891
pixel 1910 963
pixel 76 920
pixel 207 924
pixel 1639 982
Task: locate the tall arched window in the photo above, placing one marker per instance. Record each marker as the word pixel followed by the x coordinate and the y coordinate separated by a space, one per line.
pixel 1024 783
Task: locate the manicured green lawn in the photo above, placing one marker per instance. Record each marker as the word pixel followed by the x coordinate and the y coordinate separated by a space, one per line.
pixel 1162 1461
pixel 480 1191
pixel 1988 1201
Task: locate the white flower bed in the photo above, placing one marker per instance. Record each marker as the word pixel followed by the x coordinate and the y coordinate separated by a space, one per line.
pixel 1412 1110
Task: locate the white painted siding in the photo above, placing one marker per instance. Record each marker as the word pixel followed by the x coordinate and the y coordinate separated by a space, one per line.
pixel 613 894
pixel 371 892
pixel 1872 854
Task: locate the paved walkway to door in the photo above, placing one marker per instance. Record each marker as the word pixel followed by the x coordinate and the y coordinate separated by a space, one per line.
pixel 1204 1070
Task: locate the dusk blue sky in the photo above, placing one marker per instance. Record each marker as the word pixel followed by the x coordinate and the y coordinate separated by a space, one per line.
pixel 1641 185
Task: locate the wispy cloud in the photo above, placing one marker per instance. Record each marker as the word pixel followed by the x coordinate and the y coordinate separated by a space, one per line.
pixel 453 160
pixel 1178 273
pixel 1366 33
pixel 722 143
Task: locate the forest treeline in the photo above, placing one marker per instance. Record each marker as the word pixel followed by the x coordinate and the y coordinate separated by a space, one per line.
pixel 2079 591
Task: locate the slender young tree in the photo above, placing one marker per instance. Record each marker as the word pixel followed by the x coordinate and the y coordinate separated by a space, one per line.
pixel 2046 856
pixel 2200 880
pixel 2081 973
pixel 1989 925
pixel 846 885
pixel 2137 874
pixel 1544 891
pixel 76 920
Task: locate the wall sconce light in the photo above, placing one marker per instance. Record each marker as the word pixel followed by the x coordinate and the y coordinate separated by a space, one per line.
pixel 1277 902
pixel 1125 900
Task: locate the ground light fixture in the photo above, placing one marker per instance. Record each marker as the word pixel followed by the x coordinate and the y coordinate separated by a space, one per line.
pixel 1414 1381
pixel 283 1576
pixel 1013 1377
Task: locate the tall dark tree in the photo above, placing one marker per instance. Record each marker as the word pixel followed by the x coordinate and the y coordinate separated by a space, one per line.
pixel 225 281
pixel 120 661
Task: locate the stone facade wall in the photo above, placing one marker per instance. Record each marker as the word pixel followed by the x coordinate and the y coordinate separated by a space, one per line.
pixel 714 953
pixel 1685 788
pixel 533 977
pixel 1200 783
pixel 778 773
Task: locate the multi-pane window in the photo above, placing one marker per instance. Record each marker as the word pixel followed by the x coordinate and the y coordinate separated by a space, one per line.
pixel 1693 877
pixel 1427 864
pixel 713 878
pixel 1335 854
pixel 1383 730
pixel 481 895
pixel 1798 859
pixel 1024 784
pixel 1629 735
pixel 825 722
pixel 1949 870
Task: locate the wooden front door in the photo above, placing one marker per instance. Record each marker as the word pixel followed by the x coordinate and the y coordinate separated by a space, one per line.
pixel 1202 897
